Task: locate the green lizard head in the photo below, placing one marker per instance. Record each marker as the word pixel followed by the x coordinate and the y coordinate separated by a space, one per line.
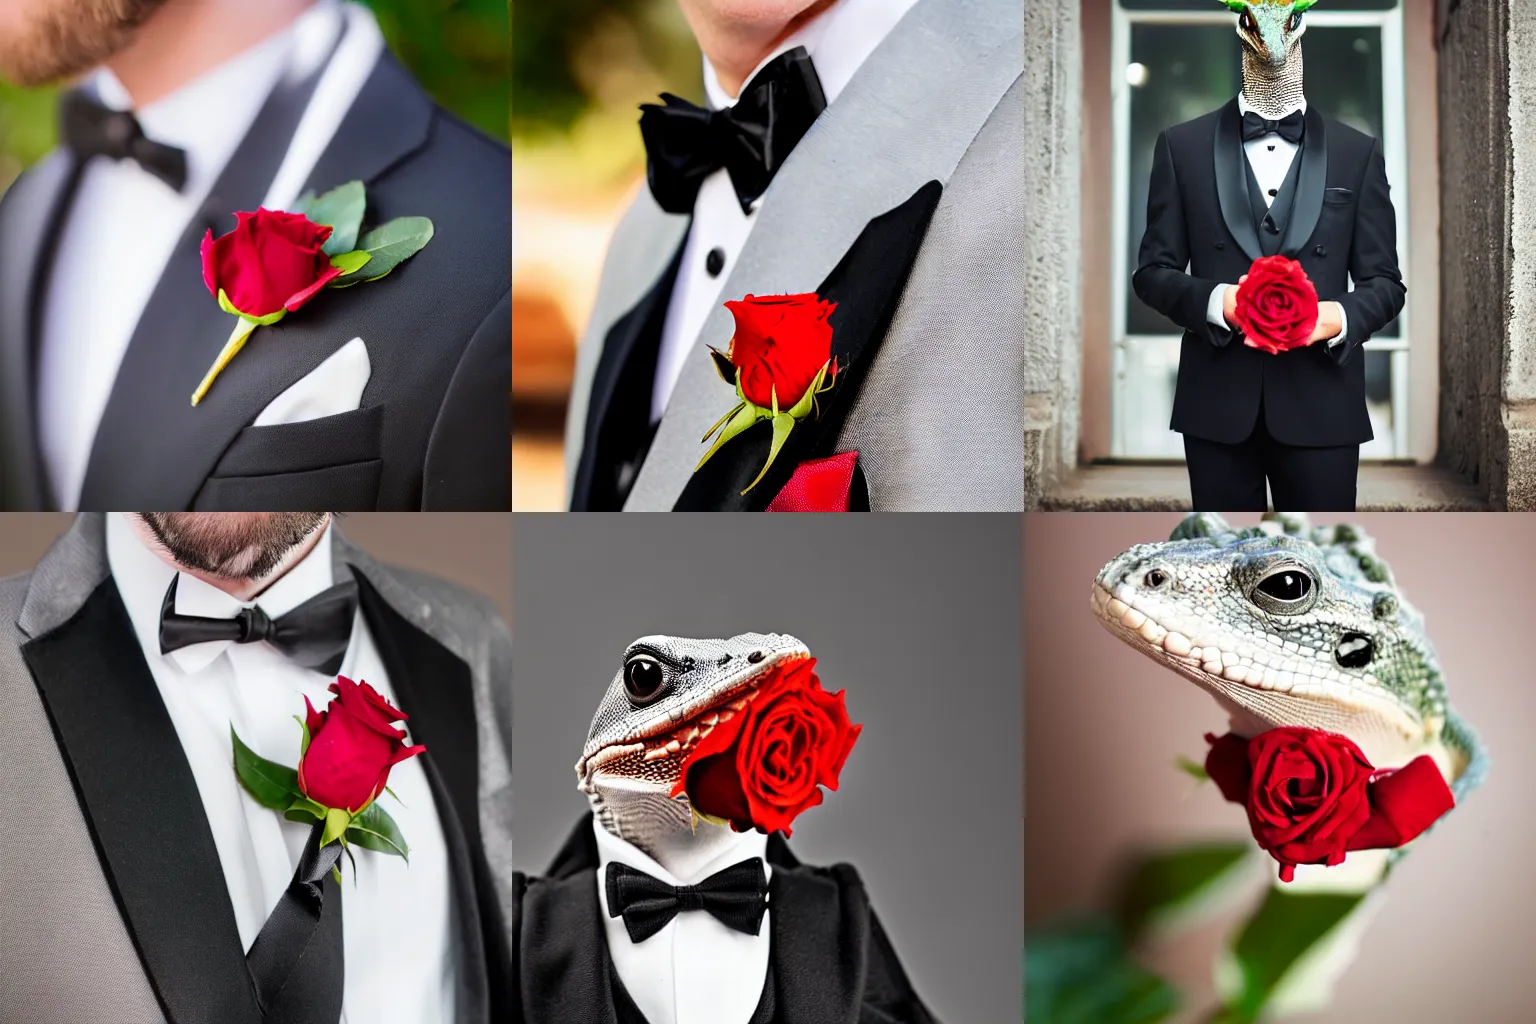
pixel 666 696
pixel 1287 625
pixel 1270 29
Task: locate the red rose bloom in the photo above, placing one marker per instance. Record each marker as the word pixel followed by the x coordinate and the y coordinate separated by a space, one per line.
pixel 271 261
pixel 765 765
pixel 352 746
pixel 781 343
pixel 1276 305
pixel 1312 795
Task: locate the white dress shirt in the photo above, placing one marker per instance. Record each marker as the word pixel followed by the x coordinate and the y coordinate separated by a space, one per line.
pixel 123 222
pixel 695 970
pixel 839 40
pixel 398 919
pixel 1271 158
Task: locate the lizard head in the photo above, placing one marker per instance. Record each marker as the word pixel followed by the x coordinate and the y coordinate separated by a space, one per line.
pixel 1270 29
pixel 667 695
pixel 1284 625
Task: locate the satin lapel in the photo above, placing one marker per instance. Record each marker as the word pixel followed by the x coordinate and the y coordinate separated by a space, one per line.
pixel 645 315
pixel 1308 203
pixel 563 965
pixel 182 328
pixel 34 206
pixel 820 946
pixel 141 801
pixel 1232 181
pixel 900 124
pixel 435 690
pixel 866 286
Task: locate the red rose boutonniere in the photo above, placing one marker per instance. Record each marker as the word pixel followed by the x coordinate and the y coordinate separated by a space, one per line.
pixel 780 358
pixel 1276 305
pixel 274 263
pixel 1312 796
pixel 765 765
pixel 348 750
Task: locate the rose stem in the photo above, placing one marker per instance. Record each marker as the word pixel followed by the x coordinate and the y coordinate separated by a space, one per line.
pixel 232 347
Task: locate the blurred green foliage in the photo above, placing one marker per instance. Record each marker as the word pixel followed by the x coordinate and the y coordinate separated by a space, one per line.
pixel 457 49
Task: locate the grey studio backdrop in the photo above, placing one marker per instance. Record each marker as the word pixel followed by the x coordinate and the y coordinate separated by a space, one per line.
pixel 916 616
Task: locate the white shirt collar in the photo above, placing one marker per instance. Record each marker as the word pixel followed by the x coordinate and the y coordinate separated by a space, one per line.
pixel 1243 106
pixel 612 849
pixel 210 115
pixel 838 39
pixel 142 579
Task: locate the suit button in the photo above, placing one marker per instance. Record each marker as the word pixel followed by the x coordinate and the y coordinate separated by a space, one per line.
pixel 1320 250
pixel 714 262
pixel 1220 244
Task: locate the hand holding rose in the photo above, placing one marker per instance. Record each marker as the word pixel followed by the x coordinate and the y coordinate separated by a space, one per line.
pixel 1275 306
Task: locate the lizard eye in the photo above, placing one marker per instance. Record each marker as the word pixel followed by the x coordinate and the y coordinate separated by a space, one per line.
pixel 1286 591
pixel 642 678
pixel 1155 579
pixel 1246 21
pixel 1294 22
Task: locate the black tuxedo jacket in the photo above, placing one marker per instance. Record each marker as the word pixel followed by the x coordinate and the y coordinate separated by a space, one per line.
pixel 1334 216
pixel 829 962
pixel 433 428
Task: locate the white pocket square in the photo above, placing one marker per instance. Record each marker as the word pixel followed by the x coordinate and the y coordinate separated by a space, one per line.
pixel 335 386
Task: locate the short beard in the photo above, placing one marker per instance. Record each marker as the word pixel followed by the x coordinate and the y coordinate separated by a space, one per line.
pixel 231 545
pixel 63 38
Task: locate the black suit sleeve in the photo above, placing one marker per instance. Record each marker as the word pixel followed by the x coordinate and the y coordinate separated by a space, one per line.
pixel 1160 280
pixel 1379 292
pixel 469 455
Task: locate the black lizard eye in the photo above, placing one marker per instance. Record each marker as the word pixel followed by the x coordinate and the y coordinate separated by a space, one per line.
pixel 1155 579
pixel 1246 21
pixel 642 678
pixel 1294 22
pixel 1354 650
pixel 1286 591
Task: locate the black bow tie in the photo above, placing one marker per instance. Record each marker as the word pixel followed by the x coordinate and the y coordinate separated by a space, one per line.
pixel 685 144
pixel 736 896
pixel 90 129
pixel 315 634
pixel 1290 127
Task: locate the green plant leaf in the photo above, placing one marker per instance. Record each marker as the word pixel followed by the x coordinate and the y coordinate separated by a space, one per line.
pixel 341 208
pixel 1166 882
pixel 1082 973
pixel 336 822
pixel 783 423
pixel 1194 769
pixel 1275 938
pixel 349 262
pixel 271 784
pixel 375 830
pixel 259 321
pixel 306 809
pixel 389 245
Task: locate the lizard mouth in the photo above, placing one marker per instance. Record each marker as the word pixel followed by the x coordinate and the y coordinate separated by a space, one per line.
pixel 655 757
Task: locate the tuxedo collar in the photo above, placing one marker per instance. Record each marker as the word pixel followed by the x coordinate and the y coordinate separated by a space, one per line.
pixel 1231 165
pixel 1243 106
pixel 902 129
pixel 182 328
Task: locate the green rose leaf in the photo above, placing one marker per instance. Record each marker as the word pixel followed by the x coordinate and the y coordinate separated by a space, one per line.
pixel 306 810
pixel 1275 939
pixel 375 830
pixel 258 321
pixel 389 245
pixel 341 208
pixel 1163 884
pixel 349 262
pixel 337 821
pixel 271 784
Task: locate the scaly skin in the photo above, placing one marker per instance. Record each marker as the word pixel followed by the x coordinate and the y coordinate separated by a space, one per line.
pixel 1349 654
pixel 1271 32
pixel 636 747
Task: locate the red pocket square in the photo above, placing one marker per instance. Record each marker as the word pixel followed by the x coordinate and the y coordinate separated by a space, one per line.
pixel 819 485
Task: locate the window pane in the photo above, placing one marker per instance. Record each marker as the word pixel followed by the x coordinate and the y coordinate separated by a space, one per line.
pixel 1378 403
pixel 1205 5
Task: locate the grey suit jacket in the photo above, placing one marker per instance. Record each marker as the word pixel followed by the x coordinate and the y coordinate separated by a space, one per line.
pixel 939 418
pixel 66 951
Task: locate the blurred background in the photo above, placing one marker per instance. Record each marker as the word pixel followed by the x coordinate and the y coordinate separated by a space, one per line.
pixel 580 70
pixel 1104 725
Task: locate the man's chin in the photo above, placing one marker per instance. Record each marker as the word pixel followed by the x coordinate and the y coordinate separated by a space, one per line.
pixel 231 545
pixel 43 42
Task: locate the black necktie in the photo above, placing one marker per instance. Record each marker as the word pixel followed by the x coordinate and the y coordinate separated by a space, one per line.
pixel 736 896
pixel 1290 127
pixel 89 129
pixel 315 634
pixel 685 144
pixel 297 961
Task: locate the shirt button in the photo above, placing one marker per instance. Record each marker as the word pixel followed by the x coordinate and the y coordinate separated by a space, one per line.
pixel 1320 250
pixel 1220 244
pixel 1273 192
pixel 714 262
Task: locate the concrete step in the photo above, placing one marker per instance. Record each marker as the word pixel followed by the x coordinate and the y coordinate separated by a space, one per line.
pixel 1143 487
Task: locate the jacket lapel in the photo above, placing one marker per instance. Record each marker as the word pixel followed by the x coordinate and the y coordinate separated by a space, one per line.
pixel 1232 180
pixel 182 328
pixel 865 285
pixel 900 128
pixel 1307 201
pixel 562 963
pixel 34 206
pixel 435 690
pixel 820 935
pixel 141 801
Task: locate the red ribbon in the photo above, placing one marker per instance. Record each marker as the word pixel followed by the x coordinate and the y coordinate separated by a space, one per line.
pixel 818 485
pixel 1311 795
